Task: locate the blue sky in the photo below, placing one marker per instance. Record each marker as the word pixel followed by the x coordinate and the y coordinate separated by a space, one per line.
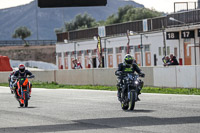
pixel 160 5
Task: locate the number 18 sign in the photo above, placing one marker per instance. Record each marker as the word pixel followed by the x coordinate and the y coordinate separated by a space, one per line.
pixel 172 35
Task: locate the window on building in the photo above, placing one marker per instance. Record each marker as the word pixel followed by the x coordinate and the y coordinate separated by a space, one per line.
pixel 137 49
pixel 126 50
pixel 73 53
pixel 94 52
pixel 130 47
pixel 79 53
pixel 86 52
pixel 175 52
pixel 118 50
pixel 164 51
pixel 110 50
pixel 168 50
pixel 59 54
pixel 187 40
pixel 66 54
pixel 147 48
pixel 160 51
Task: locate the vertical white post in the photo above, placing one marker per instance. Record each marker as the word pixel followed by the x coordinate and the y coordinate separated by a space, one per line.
pixel 114 58
pixel 69 61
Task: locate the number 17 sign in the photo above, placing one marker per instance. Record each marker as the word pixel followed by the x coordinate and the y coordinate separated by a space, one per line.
pixel 187 34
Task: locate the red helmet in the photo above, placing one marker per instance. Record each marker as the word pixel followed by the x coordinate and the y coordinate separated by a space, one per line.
pixel 21 68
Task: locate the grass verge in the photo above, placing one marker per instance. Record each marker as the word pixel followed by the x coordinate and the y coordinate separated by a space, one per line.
pixel 186 91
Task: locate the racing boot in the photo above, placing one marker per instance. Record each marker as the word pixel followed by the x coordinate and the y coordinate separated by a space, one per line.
pixel 138 93
pixel 119 94
pixel 138 99
pixel 30 90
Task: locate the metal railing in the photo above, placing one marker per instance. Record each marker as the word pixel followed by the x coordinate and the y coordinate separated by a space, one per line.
pixel 30 42
pixel 188 17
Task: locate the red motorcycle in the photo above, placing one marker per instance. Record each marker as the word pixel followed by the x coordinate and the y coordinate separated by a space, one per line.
pixel 23 90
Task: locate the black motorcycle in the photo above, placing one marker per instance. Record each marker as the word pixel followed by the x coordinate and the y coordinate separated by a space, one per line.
pixel 130 88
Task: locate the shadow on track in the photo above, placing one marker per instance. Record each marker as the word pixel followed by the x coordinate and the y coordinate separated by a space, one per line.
pixel 140 111
pixel 104 123
pixel 31 107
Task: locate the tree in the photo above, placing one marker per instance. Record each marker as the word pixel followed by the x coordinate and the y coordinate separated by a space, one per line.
pixel 80 22
pixel 130 13
pixel 59 30
pixel 124 14
pixel 22 33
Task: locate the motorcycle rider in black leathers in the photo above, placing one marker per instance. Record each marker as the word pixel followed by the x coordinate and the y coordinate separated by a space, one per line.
pixel 22 72
pixel 128 66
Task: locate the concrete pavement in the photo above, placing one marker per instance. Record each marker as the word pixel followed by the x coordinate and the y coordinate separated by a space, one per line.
pixel 62 110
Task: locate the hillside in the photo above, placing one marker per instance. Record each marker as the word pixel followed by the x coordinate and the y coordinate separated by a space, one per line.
pixel 34 53
pixel 50 18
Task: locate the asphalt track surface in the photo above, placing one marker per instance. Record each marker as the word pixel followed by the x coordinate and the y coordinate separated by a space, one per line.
pixel 88 111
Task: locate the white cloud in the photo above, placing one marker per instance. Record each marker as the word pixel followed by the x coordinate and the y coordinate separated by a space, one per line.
pixel 163 5
pixel 12 3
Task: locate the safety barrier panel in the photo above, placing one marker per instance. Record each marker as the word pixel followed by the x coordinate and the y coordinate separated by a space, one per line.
pixel 173 76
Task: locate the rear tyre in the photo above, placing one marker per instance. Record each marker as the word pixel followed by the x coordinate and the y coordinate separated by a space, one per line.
pixel 132 100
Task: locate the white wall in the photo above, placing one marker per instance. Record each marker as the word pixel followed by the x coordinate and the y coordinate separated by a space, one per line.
pixel 186 76
pixel 4 77
pixel 198 76
pixel 38 64
pixel 175 76
pixel 165 76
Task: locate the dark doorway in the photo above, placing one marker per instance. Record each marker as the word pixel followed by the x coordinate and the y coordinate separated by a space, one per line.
pixel 94 61
pixel 103 62
pixel 155 60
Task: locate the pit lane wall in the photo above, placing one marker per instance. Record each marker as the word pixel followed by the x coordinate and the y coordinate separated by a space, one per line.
pixel 173 76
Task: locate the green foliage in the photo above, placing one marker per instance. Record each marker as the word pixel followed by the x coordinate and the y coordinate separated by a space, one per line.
pixel 187 91
pixel 59 30
pixel 80 22
pixel 54 85
pixel 22 33
pixel 124 14
pixel 130 13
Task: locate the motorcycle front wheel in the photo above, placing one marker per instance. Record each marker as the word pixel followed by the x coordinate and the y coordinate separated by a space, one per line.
pixel 20 104
pixel 132 100
pixel 26 100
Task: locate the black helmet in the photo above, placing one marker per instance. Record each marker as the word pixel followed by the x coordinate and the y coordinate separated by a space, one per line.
pixel 128 59
pixel 21 68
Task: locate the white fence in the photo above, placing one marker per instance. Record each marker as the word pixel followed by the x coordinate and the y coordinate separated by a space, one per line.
pixel 34 64
pixel 173 76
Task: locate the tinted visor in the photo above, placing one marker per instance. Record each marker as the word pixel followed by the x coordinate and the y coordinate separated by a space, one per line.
pixel 129 61
pixel 22 70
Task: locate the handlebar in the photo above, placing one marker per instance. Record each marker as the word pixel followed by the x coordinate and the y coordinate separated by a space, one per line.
pixel 16 78
pixel 30 77
pixel 119 73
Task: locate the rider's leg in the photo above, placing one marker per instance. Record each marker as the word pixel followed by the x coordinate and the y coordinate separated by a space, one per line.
pixel 30 88
pixel 17 95
pixel 139 89
pixel 119 88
